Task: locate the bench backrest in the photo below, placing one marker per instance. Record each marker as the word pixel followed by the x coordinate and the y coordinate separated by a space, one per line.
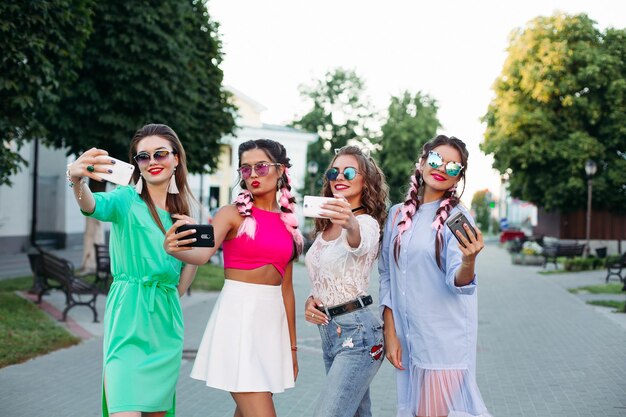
pixel 56 268
pixel 103 259
pixel 563 249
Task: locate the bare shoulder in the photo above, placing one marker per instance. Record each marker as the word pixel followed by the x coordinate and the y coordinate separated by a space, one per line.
pixel 228 214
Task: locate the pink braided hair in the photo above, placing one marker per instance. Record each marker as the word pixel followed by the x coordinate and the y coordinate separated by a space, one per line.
pixel 244 206
pixel 288 212
pixel 440 219
pixel 408 209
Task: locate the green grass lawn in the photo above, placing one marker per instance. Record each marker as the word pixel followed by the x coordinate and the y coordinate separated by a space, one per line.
pixel 619 306
pixel 16 284
pixel 208 278
pixel 610 288
pixel 27 332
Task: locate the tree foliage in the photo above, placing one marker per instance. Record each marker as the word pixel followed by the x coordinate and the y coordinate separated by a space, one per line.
pixel 42 43
pixel 147 62
pixel 340 114
pixel 560 100
pixel 411 122
pixel 480 205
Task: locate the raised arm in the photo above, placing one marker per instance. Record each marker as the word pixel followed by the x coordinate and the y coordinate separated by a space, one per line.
pixel 87 165
pixel 224 223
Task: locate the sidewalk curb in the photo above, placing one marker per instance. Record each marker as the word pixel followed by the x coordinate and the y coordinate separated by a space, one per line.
pixel 55 314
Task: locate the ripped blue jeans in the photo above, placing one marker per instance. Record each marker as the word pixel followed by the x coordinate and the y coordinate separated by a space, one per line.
pixel 353 352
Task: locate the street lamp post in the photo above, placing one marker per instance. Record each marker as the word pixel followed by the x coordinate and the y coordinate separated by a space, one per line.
pixel 590 170
pixel 312 168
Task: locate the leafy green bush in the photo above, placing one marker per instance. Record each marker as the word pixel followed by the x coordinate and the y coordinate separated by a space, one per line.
pixel 583 264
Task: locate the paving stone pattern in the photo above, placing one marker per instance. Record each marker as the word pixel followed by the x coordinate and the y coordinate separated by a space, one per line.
pixel 542 352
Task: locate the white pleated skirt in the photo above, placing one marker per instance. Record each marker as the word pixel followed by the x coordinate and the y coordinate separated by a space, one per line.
pixel 246 345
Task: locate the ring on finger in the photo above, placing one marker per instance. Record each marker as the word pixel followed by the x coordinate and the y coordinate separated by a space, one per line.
pixel 177 243
pixel 312 315
pixel 90 168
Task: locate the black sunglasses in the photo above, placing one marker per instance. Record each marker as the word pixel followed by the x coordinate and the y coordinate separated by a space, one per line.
pixel 143 158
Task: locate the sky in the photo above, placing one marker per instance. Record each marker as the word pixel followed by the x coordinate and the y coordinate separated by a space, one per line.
pixel 452 50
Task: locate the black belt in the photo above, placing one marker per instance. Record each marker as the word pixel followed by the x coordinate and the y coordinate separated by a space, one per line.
pixel 360 302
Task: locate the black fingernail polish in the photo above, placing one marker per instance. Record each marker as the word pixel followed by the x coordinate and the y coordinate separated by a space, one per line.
pixel 112 161
pixel 110 171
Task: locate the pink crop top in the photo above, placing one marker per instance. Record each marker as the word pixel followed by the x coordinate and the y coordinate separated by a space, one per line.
pixel 272 245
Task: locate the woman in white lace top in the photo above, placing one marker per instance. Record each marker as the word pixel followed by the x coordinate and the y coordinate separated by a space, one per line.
pixel 339 263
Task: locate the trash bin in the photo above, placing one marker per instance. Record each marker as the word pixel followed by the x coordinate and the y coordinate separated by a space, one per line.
pixel 601 252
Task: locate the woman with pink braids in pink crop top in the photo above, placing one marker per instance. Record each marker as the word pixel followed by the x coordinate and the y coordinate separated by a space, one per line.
pixel 249 345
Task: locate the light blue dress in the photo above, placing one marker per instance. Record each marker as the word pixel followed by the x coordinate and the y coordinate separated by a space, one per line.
pixel 435 320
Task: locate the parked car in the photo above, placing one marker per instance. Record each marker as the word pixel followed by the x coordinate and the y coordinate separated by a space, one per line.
pixel 511 234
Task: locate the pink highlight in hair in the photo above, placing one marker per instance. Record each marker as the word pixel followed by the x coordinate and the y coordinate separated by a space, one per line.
pixel 244 206
pixel 444 208
pixel 408 210
pixel 288 216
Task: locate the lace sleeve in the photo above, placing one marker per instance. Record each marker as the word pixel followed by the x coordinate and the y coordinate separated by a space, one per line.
pixel 370 234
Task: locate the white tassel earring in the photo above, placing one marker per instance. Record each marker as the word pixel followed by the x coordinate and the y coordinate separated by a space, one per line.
pixel 139 185
pixel 172 188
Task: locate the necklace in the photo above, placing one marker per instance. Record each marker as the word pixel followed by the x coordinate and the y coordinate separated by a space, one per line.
pixel 357 209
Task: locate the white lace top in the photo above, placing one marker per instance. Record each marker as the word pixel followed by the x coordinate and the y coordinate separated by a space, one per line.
pixel 339 273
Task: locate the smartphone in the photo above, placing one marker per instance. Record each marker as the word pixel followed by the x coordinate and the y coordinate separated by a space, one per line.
pixel 311 207
pixel 456 223
pixel 122 172
pixel 204 235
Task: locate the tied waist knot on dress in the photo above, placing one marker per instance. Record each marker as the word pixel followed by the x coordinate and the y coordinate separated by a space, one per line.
pixel 163 282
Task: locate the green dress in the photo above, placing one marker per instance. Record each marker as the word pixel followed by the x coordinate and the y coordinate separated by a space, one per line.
pixel 143 333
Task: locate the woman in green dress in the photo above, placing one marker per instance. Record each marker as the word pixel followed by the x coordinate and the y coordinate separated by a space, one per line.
pixel 143 338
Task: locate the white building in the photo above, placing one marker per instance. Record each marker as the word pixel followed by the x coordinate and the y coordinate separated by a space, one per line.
pixel 59 222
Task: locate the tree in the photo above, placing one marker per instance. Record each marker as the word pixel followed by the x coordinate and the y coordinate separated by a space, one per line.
pixel 146 62
pixel 480 205
pixel 42 43
pixel 560 100
pixel 411 122
pixel 340 114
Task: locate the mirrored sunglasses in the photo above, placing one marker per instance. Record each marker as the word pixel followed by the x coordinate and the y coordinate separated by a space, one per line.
pixel 261 169
pixel 349 173
pixel 143 158
pixel 435 161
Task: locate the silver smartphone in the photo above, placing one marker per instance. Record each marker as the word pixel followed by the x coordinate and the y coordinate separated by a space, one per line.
pixel 456 223
pixel 122 172
pixel 311 206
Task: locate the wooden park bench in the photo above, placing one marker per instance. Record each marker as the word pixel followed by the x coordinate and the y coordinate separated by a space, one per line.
pixel 52 272
pixel 616 268
pixel 552 251
pixel 103 268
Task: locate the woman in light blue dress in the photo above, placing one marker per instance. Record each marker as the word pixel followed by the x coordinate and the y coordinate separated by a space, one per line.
pixel 428 291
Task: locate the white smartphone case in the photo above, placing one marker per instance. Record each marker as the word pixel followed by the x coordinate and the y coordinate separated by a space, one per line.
pixel 311 205
pixel 122 172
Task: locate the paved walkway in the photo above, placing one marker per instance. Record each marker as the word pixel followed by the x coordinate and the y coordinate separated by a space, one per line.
pixel 542 352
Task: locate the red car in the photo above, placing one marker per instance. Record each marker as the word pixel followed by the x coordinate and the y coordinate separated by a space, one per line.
pixel 511 234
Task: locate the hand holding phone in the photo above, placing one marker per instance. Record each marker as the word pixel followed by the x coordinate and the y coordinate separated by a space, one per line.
pixel 456 222
pixel 312 205
pixel 121 173
pixel 204 235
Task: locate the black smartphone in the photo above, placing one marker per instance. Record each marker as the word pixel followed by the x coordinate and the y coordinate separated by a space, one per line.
pixel 204 235
pixel 456 223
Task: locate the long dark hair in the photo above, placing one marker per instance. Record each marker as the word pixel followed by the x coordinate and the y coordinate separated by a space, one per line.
pixel 450 198
pixel 175 203
pixel 375 190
